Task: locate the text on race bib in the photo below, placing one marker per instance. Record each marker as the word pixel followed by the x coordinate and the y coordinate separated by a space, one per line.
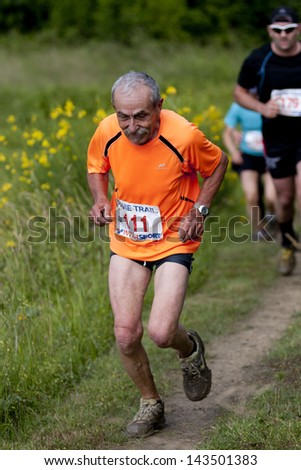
pixel 254 140
pixel 289 101
pixel 139 222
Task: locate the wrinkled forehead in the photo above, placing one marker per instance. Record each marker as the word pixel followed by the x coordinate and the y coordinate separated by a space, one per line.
pixel 138 96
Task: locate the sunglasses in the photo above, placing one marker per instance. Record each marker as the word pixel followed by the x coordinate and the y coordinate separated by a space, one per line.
pixel 288 28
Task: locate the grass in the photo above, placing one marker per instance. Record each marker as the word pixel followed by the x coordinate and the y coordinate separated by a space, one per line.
pixel 56 68
pixel 271 420
pixel 61 384
pixel 92 415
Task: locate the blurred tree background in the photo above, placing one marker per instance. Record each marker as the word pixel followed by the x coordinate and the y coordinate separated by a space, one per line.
pixel 127 20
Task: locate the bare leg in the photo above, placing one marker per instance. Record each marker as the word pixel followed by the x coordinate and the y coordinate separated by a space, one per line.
pixel 128 282
pixel 170 289
pixel 285 190
pixel 250 185
pixel 269 193
pixel 298 190
pixel 166 331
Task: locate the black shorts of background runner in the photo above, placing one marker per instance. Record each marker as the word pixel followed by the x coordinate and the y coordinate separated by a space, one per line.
pixel 250 162
pixel 282 158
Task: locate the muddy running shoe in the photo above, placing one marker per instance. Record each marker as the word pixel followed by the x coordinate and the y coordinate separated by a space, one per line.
pixel 286 261
pixel 148 420
pixel 196 374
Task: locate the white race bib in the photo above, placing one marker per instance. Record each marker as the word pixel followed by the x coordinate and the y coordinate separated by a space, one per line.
pixel 254 140
pixel 289 101
pixel 139 222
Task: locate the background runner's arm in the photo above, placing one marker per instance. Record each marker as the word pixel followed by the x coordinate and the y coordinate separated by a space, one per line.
pixel 232 138
pixel 242 96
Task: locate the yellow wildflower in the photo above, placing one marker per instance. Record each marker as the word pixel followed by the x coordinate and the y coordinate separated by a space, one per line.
pixel 186 109
pixel 99 116
pixel 10 244
pixel 64 128
pixel 45 186
pixel 56 112
pixel 37 134
pixel 61 133
pixel 25 161
pixel 197 120
pixel 81 113
pixel 43 160
pixel 171 90
pixel 6 187
pixel 69 108
pixel 11 119
pixel 45 143
pixel 3 201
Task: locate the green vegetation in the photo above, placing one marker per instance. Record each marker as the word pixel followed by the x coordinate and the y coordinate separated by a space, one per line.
pixel 188 20
pixel 272 420
pixel 61 383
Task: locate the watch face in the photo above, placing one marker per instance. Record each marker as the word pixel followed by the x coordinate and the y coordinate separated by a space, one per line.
pixel 204 210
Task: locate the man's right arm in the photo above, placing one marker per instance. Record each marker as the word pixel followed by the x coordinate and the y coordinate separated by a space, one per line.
pixel 100 213
pixel 243 97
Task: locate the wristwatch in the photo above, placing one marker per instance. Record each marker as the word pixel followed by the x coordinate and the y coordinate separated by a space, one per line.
pixel 203 210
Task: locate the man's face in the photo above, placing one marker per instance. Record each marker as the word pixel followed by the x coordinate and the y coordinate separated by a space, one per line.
pixel 137 116
pixel 284 35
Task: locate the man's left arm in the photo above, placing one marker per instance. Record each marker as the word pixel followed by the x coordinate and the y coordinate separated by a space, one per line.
pixel 192 225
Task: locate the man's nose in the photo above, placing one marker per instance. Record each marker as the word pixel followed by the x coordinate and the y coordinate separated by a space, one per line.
pixel 132 125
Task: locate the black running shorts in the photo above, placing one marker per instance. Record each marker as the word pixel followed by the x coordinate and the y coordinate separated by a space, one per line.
pixel 281 159
pixel 185 259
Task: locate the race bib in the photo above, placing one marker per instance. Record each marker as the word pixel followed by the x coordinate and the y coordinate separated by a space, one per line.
pixel 254 140
pixel 139 222
pixel 289 101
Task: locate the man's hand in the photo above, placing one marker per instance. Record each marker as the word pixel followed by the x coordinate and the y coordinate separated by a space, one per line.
pixel 270 109
pixel 192 226
pixel 100 214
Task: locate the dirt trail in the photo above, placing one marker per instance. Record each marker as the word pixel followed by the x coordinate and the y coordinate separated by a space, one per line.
pixel 233 359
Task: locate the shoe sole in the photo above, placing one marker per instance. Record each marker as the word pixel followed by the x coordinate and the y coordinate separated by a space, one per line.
pixel 155 428
pixel 287 272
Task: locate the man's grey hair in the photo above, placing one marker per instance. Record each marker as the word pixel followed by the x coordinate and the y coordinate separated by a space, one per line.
pixel 129 82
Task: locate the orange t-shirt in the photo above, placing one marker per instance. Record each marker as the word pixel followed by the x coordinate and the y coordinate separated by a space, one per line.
pixel 155 184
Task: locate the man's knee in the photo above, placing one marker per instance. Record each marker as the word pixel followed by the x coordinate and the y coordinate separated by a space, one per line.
pixel 127 339
pixel 286 201
pixel 162 337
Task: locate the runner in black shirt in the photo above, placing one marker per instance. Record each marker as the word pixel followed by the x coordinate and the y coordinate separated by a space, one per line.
pixel 275 69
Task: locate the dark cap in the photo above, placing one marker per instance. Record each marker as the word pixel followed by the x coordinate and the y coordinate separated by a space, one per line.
pixel 284 14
